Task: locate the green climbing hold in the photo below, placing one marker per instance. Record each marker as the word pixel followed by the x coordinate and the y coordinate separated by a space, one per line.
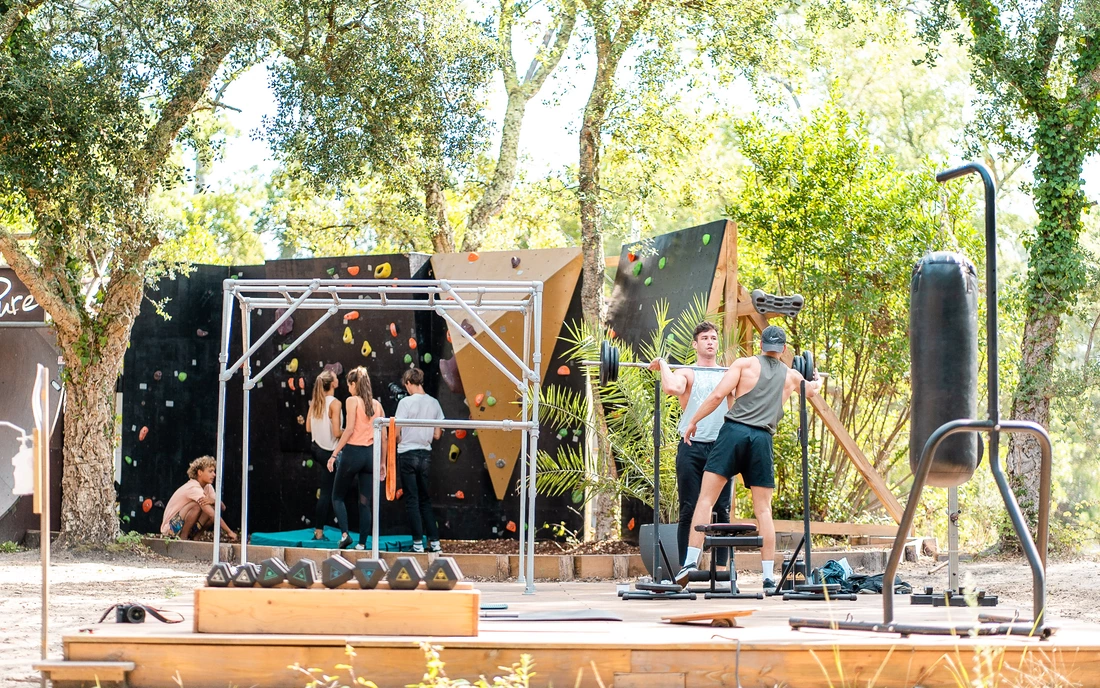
pixel 474 433
pixel 491 401
pixel 562 433
pixel 706 239
pixel 309 463
pixel 408 358
pixel 427 358
pixel 128 459
pixel 182 377
pixel 661 263
pixel 331 271
pixel 648 281
pixel 577 496
pixel 637 267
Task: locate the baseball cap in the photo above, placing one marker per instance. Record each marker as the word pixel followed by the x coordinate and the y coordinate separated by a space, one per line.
pixel 773 339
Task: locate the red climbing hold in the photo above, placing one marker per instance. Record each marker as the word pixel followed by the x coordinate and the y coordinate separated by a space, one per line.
pixel 563 370
pixel 393 329
pixel 631 257
pixel 143 433
pixel 147 505
pixel 400 492
pixel 460 434
pixel 302 383
pixel 630 526
pixel 412 343
pixel 472 256
pixel 353 270
pixel 460 495
pixel 511 527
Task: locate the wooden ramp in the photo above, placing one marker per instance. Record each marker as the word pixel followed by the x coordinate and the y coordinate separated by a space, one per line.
pixel 641 650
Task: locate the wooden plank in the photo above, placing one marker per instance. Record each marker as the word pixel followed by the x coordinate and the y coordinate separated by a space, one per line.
pixel 663 680
pixel 65 670
pixel 340 611
pixel 717 614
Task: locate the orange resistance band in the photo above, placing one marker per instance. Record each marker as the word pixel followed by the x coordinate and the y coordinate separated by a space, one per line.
pixel 391 462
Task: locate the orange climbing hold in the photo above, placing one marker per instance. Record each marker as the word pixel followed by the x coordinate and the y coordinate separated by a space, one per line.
pixel 563 370
pixel 393 329
pixel 290 381
pixel 630 526
pixel 511 527
pixel 354 315
pixel 460 434
pixel 412 343
pixel 147 505
pixel 448 336
pixel 143 434
pixel 458 495
pixel 631 256
pixel 353 270
pixel 478 399
pixel 400 492
pixel 301 383
pixel 472 256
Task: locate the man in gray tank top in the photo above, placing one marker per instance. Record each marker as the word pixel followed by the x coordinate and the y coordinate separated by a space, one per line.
pixel 692 387
pixel 760 385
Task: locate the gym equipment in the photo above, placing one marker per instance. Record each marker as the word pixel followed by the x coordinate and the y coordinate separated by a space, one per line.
pixel 442 574
pixel 303 574
pixel 1036 554
pixel 335 571
pixel 609 364
pixel 220 575
pixel 951 598
pixel 405 574
pixel 246 576
pixel 368 572
pixel 729 536
pixel 764 302
pixel 272 572
pixel 943 297
pixel 718 619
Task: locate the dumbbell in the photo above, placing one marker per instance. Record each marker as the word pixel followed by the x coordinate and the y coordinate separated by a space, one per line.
pixel 246 576
pixel 303 574
pixel 405 574
pixel 335 571
pixel 443 574
pixel 220 575
pixel 272 572
pixel 368 572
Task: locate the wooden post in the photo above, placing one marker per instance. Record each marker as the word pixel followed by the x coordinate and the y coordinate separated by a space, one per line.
pixel 40 406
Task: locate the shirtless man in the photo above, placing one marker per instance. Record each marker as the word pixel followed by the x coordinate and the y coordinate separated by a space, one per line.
pixel 692 387
pixel 760 385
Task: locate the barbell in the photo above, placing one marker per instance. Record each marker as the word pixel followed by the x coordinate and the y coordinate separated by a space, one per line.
pixel 609 364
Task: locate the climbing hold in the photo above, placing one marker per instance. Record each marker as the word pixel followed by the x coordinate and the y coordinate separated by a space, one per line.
pixel 661 263
pixel 290 382
pixel 468 328
pixel 491 401
pixel 577 497
pixel 427 358
pixel 143 433
pixel 478 399
pixel 460 434
pixel 611 334
pixel 448 336
pixel 472 256
pixel 147 505
pixel 201 332
pixel 648 281
pixel 157 375
pixel 309 463
pixel 408 358
pixel 475 433
pixel 366 348
pixel 288 325
pixel 337 368
pixel 302 384
pixel 128 459
pixel 515 262
pixel 393 329
pixel 637 268
pixel 460 495
pixel 348 339
pixel 353 315
pixel 453 453
pixel 182 377
pixel 563 370
pixel 630 526
pixel 382 271
pixel 292 367
pixel 511 527
pixel 318 493
pixel 562 433
pixel 353 270
pixel 448 368
pixel 412 343
pixel 631 256
pixel 706 239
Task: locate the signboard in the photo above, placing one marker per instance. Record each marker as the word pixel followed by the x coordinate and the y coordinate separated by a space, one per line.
pixel 16 303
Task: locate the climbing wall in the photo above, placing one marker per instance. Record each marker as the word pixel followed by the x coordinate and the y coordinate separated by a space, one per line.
pixel 674 267
pixel 489 393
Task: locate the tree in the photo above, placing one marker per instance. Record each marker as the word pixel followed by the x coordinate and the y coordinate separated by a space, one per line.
pixel 92 98
pixel 1037 70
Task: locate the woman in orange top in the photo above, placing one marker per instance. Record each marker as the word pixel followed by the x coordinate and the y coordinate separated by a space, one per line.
pixel 353 457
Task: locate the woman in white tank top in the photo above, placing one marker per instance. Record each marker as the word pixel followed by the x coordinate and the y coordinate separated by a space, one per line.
pixel 324 423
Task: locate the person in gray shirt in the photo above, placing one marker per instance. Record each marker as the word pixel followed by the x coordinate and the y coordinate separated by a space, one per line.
pixel 414 458
pixel 760 386
pixel 692 386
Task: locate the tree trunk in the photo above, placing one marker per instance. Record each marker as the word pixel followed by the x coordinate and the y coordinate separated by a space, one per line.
pixel 435 206
pixel 500 188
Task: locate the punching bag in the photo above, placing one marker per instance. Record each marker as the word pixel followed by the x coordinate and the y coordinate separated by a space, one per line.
pixel 943 345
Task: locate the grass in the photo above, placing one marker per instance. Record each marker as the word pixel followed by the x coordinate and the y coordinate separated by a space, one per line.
pixel 9 547
pixel 518 675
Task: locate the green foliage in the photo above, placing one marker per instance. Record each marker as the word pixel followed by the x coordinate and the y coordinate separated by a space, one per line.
pixel 824 214
pixel 629 404
pixel 9 547
pixel 518 675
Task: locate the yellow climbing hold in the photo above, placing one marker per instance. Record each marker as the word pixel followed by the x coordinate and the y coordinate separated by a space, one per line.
pixel 382 271
pixel 453 453
pixel 348 339
pixel 292 367
pixel 366 348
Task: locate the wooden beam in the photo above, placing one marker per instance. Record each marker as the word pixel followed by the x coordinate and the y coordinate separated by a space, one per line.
pixel 832 422
pixel 839 529
pixel 729 289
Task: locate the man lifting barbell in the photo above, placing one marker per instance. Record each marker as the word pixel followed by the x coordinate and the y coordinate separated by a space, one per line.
pixel 760 386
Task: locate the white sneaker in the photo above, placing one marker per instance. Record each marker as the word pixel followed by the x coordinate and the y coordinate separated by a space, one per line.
pixel 360 548
pixel 684 576
pixel 418 548
pixel 435 547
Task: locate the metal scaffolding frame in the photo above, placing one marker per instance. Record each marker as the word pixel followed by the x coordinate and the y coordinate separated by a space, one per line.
pixel 443 297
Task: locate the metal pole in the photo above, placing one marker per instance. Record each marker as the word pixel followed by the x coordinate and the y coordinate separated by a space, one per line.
pixel 536 368
pixel 246 339
pixel 376 473
pixel 291 307
pixel 657 571
pixel 523 444
pixel 44 520
pixel 804 436
pixel 953 537
pixel 223 360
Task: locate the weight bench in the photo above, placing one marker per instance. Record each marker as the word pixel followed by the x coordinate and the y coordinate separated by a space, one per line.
pixel 729 536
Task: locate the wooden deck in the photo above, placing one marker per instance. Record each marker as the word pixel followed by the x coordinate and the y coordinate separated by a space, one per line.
pixel 639 651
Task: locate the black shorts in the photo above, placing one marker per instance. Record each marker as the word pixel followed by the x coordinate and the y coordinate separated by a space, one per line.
pixel 743 449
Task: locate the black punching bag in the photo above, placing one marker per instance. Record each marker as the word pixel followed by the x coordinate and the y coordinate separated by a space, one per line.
pixel 943 344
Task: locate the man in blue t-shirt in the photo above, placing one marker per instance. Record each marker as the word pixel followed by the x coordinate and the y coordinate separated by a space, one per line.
pixel 414 458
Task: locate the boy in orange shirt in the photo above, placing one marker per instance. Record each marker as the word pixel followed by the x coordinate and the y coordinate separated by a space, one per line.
pixel 193 503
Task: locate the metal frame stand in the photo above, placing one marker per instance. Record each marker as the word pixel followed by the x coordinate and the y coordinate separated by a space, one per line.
pixel 1036 555
pixel 954 595
pixel 443 297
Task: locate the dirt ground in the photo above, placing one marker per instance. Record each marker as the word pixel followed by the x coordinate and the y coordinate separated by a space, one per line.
pixel 84 585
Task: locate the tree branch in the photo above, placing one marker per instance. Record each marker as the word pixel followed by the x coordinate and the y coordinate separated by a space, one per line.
pixel 507 60
pixel 547 58
pixel 16 14
pixel 1046 36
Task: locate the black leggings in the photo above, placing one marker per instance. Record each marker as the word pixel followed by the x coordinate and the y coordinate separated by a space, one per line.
pixel 354 463
pixel 691 459
pixel 415 466
pixel 323 513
